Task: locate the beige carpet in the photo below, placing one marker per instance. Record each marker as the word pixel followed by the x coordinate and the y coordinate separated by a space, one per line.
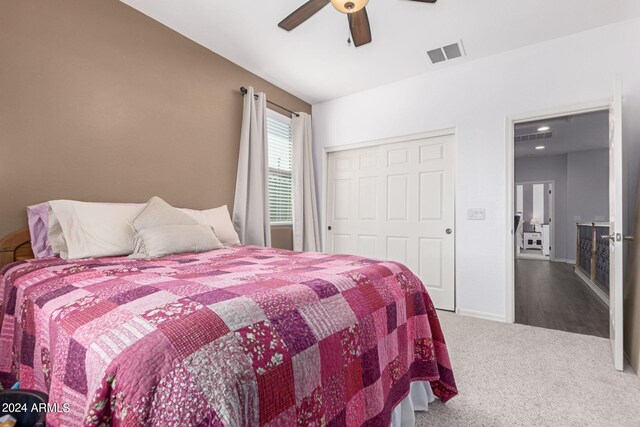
pixel 516 375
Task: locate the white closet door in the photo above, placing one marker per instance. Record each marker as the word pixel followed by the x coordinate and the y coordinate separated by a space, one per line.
pixel 396 202
pixel 352 195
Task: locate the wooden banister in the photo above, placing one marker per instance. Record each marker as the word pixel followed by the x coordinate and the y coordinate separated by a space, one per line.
pixel 594 247
pixel 588 247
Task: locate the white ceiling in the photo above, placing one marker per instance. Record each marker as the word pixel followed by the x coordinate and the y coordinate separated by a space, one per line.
pixel 315 63
pixel 589 131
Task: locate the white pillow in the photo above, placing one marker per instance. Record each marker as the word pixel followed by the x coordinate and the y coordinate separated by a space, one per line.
pixel 165 238
pixel 119 213
pixel 157 212
pixel 220 220
pixel 155 242
pixel 54 233
pixel 93 230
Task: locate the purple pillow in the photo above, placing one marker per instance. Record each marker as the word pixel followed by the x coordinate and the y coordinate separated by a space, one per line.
pixel 38 217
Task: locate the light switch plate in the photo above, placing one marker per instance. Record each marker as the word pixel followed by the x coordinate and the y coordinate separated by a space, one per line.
pixel 476 214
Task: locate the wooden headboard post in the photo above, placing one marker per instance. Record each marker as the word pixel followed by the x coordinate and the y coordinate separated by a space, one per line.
pixel 15 247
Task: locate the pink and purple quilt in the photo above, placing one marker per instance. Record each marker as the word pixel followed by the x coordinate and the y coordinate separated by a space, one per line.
pixel 239 336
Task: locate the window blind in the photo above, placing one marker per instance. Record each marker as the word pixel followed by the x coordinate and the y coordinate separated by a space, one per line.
pixel 280 162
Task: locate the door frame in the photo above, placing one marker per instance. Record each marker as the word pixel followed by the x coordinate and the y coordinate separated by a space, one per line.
pixel 552 213
pixel 510 122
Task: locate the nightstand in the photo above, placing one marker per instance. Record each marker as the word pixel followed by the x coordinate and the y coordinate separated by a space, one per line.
pixel 533 240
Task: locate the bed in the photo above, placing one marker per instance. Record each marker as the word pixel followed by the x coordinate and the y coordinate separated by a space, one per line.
pixel 242 335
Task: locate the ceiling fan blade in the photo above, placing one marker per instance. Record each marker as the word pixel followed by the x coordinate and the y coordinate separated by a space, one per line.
pixel 360 29
pixel 303 13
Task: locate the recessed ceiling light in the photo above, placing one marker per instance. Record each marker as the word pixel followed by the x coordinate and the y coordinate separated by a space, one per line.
pixel 543 129
pixel 540 147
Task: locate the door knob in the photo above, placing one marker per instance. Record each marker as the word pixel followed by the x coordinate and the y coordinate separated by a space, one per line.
pixel 449 231
pixel 329 228
pixel 617 237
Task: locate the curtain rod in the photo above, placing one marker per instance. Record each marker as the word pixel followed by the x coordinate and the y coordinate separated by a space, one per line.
pixel 244 91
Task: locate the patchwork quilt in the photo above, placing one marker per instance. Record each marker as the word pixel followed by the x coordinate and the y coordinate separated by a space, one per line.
pixel 240 336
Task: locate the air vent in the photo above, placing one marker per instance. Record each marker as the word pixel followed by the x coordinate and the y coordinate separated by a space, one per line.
pixel 437 55
pixel 533 136
pixel 452 51
pixel 446 53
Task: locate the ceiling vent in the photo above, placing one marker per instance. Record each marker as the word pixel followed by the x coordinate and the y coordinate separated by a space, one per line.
pixel 446 53
pixel 533 136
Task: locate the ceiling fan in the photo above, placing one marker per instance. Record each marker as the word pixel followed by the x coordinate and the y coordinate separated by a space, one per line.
pixel 355 10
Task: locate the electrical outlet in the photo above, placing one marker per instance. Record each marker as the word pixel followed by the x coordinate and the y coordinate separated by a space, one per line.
pixel 476 214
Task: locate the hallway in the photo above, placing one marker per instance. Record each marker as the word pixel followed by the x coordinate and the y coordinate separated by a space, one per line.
pixel 549 295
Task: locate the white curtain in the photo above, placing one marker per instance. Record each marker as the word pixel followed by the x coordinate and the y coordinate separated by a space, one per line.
pixel 306 230
pixel 251 206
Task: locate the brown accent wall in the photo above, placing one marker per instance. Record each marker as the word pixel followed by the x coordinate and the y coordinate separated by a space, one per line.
pixel 282 237
pixel 99 102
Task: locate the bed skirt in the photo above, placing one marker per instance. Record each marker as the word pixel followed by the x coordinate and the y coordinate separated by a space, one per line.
pixel 420 395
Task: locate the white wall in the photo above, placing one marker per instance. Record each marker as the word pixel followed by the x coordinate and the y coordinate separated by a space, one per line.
pixel 476 97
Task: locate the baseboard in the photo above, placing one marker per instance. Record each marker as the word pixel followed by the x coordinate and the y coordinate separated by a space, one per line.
pixel 481 315
pixel 596 290
pixel 628 361
pixel 564 260
pixel 533 257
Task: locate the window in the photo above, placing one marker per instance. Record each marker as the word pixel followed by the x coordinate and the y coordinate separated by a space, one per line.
pixel 280 160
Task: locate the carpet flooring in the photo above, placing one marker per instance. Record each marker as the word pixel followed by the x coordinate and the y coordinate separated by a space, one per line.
pixel 518 375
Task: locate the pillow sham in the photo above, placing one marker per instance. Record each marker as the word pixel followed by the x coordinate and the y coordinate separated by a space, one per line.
pixel 156 242
pixel 38 219
pixel 220 220
pixel 157 212
pixel 55 235
pixel 158 227
pixel 91 230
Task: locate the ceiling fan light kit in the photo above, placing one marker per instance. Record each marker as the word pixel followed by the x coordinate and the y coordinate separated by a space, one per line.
pixel 349 6
pixel 354 9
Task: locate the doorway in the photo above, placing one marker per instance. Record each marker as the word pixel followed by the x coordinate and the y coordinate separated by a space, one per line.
pixel 562 162
pixel 615 226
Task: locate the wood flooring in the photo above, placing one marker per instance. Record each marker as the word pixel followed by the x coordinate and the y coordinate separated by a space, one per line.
pixel 549 295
